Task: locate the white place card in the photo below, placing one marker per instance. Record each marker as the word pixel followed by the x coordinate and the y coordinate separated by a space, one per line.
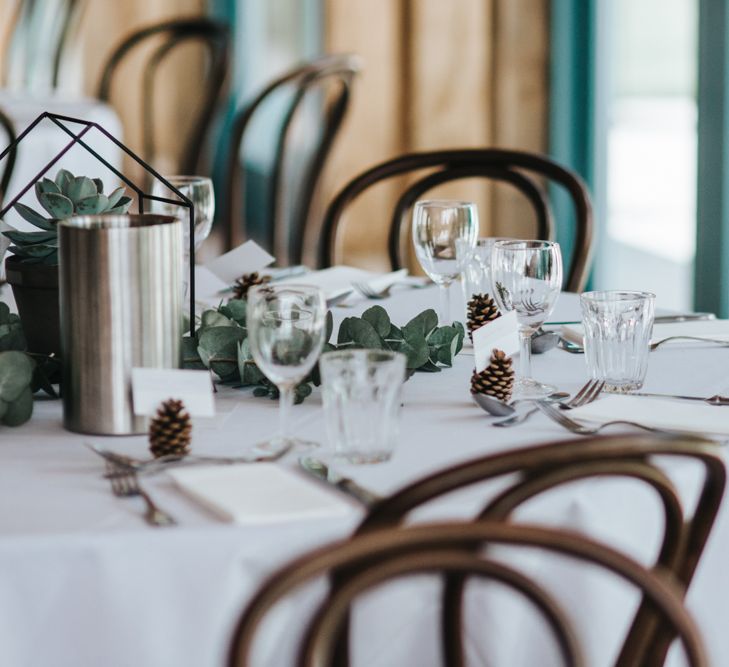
pixel 152 386
pixel 501 333
pixel 246 258
pixel 207 284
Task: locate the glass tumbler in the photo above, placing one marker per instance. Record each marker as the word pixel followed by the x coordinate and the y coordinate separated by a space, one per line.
pixel 361 394
pixel 618 327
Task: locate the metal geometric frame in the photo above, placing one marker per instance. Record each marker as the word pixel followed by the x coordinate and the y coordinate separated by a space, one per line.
pixel 76 139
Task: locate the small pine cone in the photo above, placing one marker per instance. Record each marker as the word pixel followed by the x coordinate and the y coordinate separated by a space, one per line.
pixel 481 310
pixel 245 282
pixel 497 379
pixel 169 431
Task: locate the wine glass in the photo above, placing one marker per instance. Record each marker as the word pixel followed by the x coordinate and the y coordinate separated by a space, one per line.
pixel 526 276
pixel 199 190
pixel 286 326
pixel 444 235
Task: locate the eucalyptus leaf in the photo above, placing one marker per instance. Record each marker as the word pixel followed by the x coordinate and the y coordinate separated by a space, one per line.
pixel 364 334
pixel 344 336
pixel 423 324
pixel 214 318
pixel 329 327
pixel 379 319
pixel 4 313
pixel 417 354
pixel 190 357
pixel 236 310
pixel 16 373
pixel 218 349
pixel 20 410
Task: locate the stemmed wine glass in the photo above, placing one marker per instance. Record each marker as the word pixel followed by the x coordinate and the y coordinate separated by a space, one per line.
pixel 526 276
pixel 199 190
pixel 286 326
pixel 444 235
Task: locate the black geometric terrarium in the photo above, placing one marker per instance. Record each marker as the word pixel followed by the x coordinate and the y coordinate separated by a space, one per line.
pixel 78 137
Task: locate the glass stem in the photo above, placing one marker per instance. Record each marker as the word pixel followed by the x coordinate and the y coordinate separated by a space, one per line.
pixel 525 354
pixel 285 403
pixel 444 290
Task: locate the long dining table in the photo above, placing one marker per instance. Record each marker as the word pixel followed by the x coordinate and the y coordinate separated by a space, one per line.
pixel 85 581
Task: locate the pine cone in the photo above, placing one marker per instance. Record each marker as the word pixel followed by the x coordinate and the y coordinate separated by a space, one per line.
pixel 246 281
pixel 169 431
pixel 481 310
pixel 497 379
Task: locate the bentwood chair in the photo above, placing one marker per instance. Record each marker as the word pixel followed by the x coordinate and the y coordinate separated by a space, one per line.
pixel 7 172
pixel 327 81
pixel 543 467
pixel 214 38
pixel 517 168
pixel 453 549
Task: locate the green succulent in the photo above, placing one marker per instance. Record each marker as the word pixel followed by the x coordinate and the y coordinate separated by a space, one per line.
pixel 61 198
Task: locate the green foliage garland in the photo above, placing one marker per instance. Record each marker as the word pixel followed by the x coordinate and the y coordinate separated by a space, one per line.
pixel 221 345
pixel 21 374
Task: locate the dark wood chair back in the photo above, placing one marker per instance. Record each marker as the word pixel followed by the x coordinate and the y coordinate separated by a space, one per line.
pixel 332 77
pixel 214 37
pixel 453 549
pixel 7 172
pixel 519 169
pixel 544 467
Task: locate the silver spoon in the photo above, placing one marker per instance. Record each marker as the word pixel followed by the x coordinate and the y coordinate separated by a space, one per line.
pixel 543 341
pixel 498 408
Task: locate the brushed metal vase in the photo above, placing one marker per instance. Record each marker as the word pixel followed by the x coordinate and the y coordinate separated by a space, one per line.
pixel 121 307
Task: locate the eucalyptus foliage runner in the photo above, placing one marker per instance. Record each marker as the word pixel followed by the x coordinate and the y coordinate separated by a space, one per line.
pixel 221 345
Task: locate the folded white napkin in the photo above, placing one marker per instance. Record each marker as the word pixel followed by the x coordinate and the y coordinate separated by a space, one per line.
pixel 716 329
pixel 257 493
pixel 338 280
pixel 672 414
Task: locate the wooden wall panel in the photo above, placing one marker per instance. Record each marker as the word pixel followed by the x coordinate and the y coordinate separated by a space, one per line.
pixel 461 73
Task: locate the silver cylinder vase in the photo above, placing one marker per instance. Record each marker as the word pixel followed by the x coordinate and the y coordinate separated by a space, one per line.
pixel 120 280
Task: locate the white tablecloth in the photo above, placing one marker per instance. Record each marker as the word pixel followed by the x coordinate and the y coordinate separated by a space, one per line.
pixel 83 581
pixel 46 140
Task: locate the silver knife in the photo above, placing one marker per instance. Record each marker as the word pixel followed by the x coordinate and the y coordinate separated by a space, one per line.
pixel 324 473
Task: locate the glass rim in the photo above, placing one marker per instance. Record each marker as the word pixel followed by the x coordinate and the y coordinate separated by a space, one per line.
pixel 601 296
pixel 288 287
pixel 535 244
pixel 186 179
pixel 445 203
pixel 383 356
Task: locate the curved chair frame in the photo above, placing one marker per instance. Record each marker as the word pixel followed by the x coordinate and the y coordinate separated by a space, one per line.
pixel 7 173
pixel 495 163
pixel 337 69
pixel 214 36
pixel 543 467
pixel 453 549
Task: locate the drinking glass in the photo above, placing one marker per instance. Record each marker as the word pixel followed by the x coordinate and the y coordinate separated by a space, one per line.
pixel 618 328
pixel 526 277
pixel 361 394
pixel 444 235
pixel 477 275
pixel 199 190
pixel 286 326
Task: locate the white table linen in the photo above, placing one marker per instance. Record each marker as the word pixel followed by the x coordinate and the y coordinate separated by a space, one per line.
pixel 83 581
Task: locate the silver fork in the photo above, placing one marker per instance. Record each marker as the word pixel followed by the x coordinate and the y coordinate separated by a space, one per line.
pixel 580 429
pixel 370 293
pixel 575 348
pixel 587 393
pixel 124 484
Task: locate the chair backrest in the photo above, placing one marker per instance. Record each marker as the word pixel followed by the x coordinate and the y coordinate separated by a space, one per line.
pixel 544 467
pixel 214 37
pixel 41 32
pixel 517 168
pixel 7 172
pixel 454 549
pixel 331 76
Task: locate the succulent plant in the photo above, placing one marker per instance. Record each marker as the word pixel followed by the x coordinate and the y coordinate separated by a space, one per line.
pixel 61 198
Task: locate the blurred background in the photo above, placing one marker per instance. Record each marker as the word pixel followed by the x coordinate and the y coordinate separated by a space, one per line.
pixel 627 94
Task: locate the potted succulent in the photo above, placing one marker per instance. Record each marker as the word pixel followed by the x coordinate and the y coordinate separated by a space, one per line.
pixel 32 269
